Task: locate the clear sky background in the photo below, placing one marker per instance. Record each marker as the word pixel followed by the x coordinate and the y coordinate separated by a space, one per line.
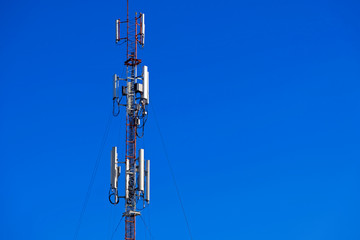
pixel 258 102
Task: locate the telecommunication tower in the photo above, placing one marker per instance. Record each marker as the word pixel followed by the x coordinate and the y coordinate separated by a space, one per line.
pixel 133 87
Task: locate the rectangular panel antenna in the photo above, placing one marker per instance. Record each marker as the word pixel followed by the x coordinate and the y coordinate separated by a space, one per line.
pixel 117 29
pixel 114 173
pixel 141 170
pixel 146 84
pixel 143 29
pixel 147 197
pixel 115 83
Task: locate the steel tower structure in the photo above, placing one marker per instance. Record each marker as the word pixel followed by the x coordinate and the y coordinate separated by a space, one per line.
pixel 135 89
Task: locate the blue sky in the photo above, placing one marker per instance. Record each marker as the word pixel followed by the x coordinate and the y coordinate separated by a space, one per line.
pixel 258 103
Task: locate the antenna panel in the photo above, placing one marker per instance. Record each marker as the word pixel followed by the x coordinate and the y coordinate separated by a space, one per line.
pixel 141 170
pixel 115 85
pixel 114 173
pixel 117 30
pixel 147 197
pixel 143 29
pixel 146 84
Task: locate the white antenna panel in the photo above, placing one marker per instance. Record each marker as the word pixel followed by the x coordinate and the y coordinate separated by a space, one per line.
pixel 143 28
pixel 146 84
pixel 147 197
pixel 115 83
pixel 114 174
pixel 141 170
pixel 117 29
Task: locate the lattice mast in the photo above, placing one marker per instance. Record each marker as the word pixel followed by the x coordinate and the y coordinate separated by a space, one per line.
pixel 135 89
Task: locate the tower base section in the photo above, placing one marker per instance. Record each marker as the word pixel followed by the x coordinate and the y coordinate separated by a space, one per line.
pixel 130 227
